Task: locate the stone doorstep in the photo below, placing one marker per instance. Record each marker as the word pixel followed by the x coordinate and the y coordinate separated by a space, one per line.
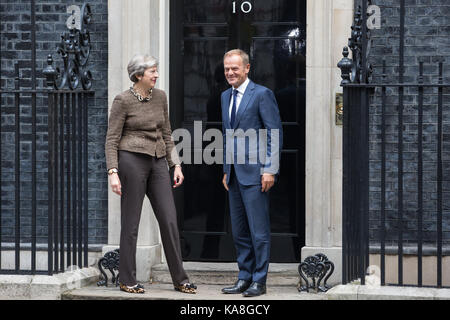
pixel 280 274
pixel 165 291
pixel 41 287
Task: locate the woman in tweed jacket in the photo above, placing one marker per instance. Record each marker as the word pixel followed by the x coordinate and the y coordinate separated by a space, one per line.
pixel 138 148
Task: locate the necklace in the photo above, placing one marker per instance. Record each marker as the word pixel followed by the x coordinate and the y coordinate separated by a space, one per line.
pixel 140 97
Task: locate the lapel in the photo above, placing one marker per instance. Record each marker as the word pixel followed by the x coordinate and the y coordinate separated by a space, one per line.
pixel 248 94
pixel 225 108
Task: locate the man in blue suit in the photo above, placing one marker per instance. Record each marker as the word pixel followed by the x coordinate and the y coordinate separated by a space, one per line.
pixel 252 142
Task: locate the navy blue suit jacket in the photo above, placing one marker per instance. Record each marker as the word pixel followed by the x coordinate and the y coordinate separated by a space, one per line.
pixel 258 110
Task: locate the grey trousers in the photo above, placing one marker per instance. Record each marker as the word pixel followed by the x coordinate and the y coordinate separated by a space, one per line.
pixel 141 175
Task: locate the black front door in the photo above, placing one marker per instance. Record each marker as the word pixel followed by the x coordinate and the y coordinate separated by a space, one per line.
pixel 273 32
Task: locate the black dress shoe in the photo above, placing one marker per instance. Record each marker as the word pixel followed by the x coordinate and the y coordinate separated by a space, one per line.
pixel 255 289
pixel 239 287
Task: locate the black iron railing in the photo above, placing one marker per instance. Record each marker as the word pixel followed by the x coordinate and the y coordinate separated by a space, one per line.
pixel 66 153
pixel 359 95
pixel 356 180
pixel 355 206
pixel 44 150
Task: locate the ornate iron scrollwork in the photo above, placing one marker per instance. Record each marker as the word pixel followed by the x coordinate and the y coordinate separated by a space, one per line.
pixel 355 44
pixel 316 267
pixel 74 48
pixel 109 261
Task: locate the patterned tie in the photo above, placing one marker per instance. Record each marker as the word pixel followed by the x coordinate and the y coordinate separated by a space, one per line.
pixel 233 109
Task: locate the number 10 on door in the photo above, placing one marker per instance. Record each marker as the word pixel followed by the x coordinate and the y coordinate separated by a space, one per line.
pixel 246 7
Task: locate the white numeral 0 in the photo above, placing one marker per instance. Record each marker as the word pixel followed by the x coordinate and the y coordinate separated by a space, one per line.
pixel 246 7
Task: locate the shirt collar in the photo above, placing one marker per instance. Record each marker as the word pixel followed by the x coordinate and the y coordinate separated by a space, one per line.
pixel 241 89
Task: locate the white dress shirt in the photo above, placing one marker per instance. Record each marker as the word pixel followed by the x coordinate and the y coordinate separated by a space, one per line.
pixel 240 94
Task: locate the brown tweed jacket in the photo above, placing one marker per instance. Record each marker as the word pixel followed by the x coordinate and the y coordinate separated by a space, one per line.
pixel 141 127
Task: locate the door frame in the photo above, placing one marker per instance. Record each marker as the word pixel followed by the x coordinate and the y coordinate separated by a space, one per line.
pixel 176 90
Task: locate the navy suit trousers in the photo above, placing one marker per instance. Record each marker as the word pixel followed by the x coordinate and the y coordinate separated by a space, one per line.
pixel 250 221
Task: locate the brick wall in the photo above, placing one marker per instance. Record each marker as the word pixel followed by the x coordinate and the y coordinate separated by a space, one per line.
pixel 16 45
pixel 427 38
